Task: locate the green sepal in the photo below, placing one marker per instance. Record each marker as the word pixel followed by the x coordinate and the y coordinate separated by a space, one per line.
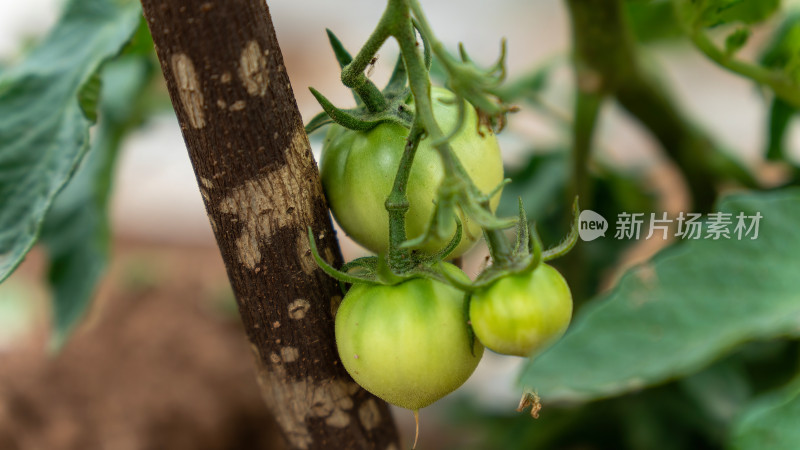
pixel 356 119
pixel 397 82
pixel 462 52
pixel 488 197
pixel 521 245
pixel 535 250
pixel 369 263
pixel 317 122
pixel 330 271
pixel 499 68
pixel 484 218
pixel 453 280
pixel 342 57
pixel 426 46
pixel 442 254
pixel 571 239
pixel 442 212
pixel 462 113
pixel 470 332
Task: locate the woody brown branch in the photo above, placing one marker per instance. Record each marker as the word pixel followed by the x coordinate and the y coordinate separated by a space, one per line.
pixel 261 189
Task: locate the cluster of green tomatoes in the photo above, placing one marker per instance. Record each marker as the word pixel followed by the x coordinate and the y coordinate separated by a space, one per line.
pixel 415 341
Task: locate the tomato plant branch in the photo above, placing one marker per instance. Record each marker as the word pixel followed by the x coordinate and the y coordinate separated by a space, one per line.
pixel 397 203
pixel 607 63
pixel 587 111
pixel 353 75
pixel 457 193
pixel 783 87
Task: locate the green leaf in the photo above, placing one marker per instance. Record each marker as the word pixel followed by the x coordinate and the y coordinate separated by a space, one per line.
pixel 780 116
pixel 782 53
pixel 711 13
pixel 736 40
pixel 690 305
pixel 76 230
pixel 653 20
pixel 771 421
pixel 44 132
pixel 783 50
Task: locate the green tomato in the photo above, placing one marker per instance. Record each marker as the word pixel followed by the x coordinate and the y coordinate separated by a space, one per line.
pixel 522 313
pixel 408 343
pixel 358 170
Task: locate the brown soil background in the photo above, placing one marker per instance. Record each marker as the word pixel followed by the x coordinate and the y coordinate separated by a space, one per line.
pixel 161 363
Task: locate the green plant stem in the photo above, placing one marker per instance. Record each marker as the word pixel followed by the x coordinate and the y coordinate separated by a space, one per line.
pixel 437 48
pixel 397 22
pixel 587 111
pixel 777 81
pixel 397 202
pixel 353 74
pixel 420 88
pixel 702 164
pixel 607 62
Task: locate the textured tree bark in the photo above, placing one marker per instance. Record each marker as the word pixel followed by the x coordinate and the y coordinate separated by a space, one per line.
pixel 262 191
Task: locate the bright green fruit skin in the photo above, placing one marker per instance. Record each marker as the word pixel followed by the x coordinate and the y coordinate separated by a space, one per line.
pixel 408 343
pixel 358 170
pixel 522 314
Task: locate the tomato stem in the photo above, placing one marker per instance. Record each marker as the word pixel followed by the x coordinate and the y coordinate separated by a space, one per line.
pixel 353 75
pixel 457 191
pixel 397 203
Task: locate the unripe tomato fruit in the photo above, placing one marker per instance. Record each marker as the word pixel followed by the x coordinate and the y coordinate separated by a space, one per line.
pixel 358 170
pixel 522 313
pixel 407 343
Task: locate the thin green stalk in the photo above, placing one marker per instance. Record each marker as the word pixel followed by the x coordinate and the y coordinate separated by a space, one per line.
pixel 783 87
pixel 397 202
pixel 396 22
pixel 587 110
pixel 421 89
pixel 424 27
pixel 353 74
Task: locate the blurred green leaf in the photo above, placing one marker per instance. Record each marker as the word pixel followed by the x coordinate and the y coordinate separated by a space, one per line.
pixel 532 83
pixel 780 116
pixel 76 230
pixel 653 20
pixel 663 418
pixel 44 133
pixel 542 184
pixel 690 305
pixel 736 40
pixel 783 50
pixel 782 53
pixel 771 421
pixel 711 13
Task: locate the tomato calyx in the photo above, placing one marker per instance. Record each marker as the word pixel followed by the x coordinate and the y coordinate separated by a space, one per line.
pixel 373 106
pixel 526 254
pixel 378 270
